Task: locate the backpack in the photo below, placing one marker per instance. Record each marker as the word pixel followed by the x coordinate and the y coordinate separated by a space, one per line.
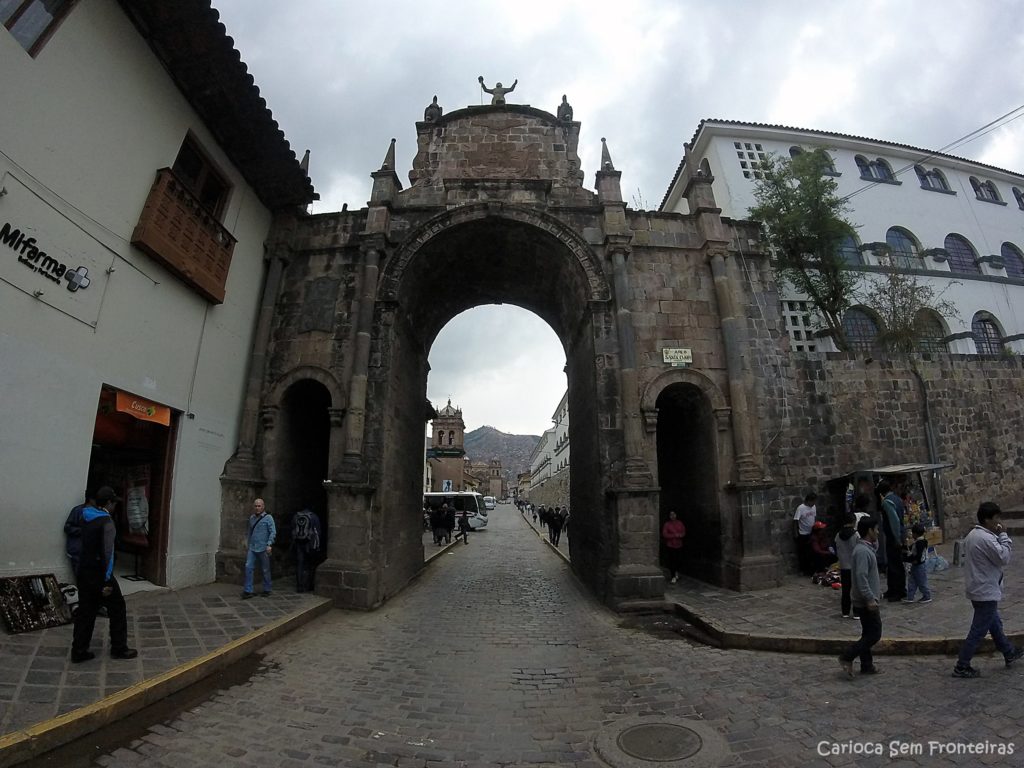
pixel 302 528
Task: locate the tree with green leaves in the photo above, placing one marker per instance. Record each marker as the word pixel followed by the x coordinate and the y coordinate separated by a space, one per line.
pixel 902 302
pixel 805 224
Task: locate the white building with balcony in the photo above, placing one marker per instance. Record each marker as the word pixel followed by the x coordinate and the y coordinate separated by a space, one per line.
pixel 141 175
pixel 955 223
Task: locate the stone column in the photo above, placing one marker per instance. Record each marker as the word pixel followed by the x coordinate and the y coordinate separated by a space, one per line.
pixel 635 576
pixel 356 417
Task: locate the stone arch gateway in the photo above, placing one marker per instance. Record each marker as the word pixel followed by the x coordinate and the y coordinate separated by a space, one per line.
pixel 497 213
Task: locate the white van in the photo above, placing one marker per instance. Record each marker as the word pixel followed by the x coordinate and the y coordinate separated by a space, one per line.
pixel 470 501
pixel 489 503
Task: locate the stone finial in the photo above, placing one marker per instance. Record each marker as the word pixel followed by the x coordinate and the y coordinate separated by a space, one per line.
pixel 564 110
pixel 497 92
pixel 389 158
pixel 433 112
pixel 304 163
pixel 606 157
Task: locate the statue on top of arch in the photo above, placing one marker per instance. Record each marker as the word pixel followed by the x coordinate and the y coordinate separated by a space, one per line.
pixel 497 92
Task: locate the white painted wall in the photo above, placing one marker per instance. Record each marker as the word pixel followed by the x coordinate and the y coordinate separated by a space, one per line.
pixel 540 461
pixel 930 216
pixel 86 125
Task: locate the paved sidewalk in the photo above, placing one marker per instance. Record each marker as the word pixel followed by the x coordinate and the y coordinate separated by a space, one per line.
pixel 169 628
pixel 805 617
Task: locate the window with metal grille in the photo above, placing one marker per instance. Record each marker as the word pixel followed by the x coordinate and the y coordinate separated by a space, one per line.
pixel 1013 260
pixel 987 338
pixel 930 332
pixel 906 253
pixel 860 329
pixel 962 256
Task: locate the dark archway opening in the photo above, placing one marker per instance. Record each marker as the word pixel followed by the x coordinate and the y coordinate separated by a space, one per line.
pixel 490 260
pixel 688 473
pixel 305 442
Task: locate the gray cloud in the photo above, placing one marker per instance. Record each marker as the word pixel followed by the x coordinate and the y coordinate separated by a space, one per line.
pixel 343 78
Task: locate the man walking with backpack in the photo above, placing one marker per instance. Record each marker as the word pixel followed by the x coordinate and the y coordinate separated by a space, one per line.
pixel 306 540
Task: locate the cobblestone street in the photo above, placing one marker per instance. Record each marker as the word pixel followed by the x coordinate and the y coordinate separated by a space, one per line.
pixel 497 656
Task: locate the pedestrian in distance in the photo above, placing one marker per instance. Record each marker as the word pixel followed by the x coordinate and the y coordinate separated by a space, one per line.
pixel 262 533
pixel 672 533
pixel 988 549
pixel 803 524
pixel 449 524
pixel 464 527
pixel 893 525
pixel 96 583
pixel 307 542
pixel 437 518
pixel 846 541
pixel 555 525
pixel 917 556
pixel 865 594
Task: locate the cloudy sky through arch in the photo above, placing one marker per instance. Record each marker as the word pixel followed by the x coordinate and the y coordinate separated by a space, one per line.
pixel 343 78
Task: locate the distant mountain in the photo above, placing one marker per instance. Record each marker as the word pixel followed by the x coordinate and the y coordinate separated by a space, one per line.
pixel 486 443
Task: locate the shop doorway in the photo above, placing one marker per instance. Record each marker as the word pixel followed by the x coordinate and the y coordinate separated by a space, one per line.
pixel 132 452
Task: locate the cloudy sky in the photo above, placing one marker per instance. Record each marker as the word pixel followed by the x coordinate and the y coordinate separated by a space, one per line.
pixel 343 77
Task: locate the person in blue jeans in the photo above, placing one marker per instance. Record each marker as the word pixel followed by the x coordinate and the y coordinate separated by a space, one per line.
pixel 262 533
pixel 988 549
pixel 916 556
pixel 865 594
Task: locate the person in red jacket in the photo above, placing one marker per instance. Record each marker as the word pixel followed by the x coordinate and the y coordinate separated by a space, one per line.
pixel 673 532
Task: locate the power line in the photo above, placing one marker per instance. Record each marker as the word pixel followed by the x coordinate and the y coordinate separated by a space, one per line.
pixel 977 133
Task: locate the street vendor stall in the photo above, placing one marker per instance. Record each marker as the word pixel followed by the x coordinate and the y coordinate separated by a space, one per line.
pixel 923 500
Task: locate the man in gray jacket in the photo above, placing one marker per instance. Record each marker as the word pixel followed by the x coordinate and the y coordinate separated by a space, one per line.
pixel 988 550
pixel 865 595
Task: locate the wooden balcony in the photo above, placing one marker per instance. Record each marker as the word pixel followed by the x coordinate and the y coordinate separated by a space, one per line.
pixel 178 232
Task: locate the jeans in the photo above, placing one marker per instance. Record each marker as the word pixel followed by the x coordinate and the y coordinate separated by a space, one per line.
pixel 846 581
pixel 305 560
pixel 895 575
pixel 250 566
pixel 918 578
pixel 986 620
pixel 870 633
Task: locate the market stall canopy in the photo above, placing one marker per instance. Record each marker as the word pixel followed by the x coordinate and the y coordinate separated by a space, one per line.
pixel 906 469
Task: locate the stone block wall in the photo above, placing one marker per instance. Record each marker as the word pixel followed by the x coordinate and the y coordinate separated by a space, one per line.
pixel 829 414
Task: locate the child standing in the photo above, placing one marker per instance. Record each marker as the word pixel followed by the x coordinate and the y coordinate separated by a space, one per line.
pixel 916 555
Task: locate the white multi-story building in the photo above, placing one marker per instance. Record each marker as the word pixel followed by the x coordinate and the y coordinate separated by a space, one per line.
pixel 957 224
pixel 137 192
pixel 540 460
pixel 560 454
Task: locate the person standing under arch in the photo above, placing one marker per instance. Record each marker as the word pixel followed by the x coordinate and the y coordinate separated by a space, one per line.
pixel 672 533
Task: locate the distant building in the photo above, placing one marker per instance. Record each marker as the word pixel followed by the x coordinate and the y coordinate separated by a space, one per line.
pixel 446 455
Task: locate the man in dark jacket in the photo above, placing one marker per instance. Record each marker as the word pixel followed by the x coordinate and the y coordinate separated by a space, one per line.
pixel 96 583
pixel 893 523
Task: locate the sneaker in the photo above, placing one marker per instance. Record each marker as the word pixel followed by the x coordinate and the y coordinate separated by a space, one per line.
pixel 924 600
pixel 967 671
pixel 246 595
pixel 1013 656
pixel 123 653
pixel 872 670
pixel 847 667
pixel 906 600
pixel 79 657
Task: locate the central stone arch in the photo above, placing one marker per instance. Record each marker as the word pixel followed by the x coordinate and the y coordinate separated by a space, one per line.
pixel 496 213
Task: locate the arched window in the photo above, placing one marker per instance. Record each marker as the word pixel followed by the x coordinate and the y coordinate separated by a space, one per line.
pixel 882 170
pixel 1019 196
pixel 451 437
pixel 906 253
pixel 864 166
pixel 962 256
pixel 985 190
pixel 794 151
pixel 1013 260
pixel 860 329
pixel 988 339
pixel 930 331
pixel 849 252
pixel 933 179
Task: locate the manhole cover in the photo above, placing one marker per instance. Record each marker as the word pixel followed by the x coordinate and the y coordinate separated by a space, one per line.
pixel 659 742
